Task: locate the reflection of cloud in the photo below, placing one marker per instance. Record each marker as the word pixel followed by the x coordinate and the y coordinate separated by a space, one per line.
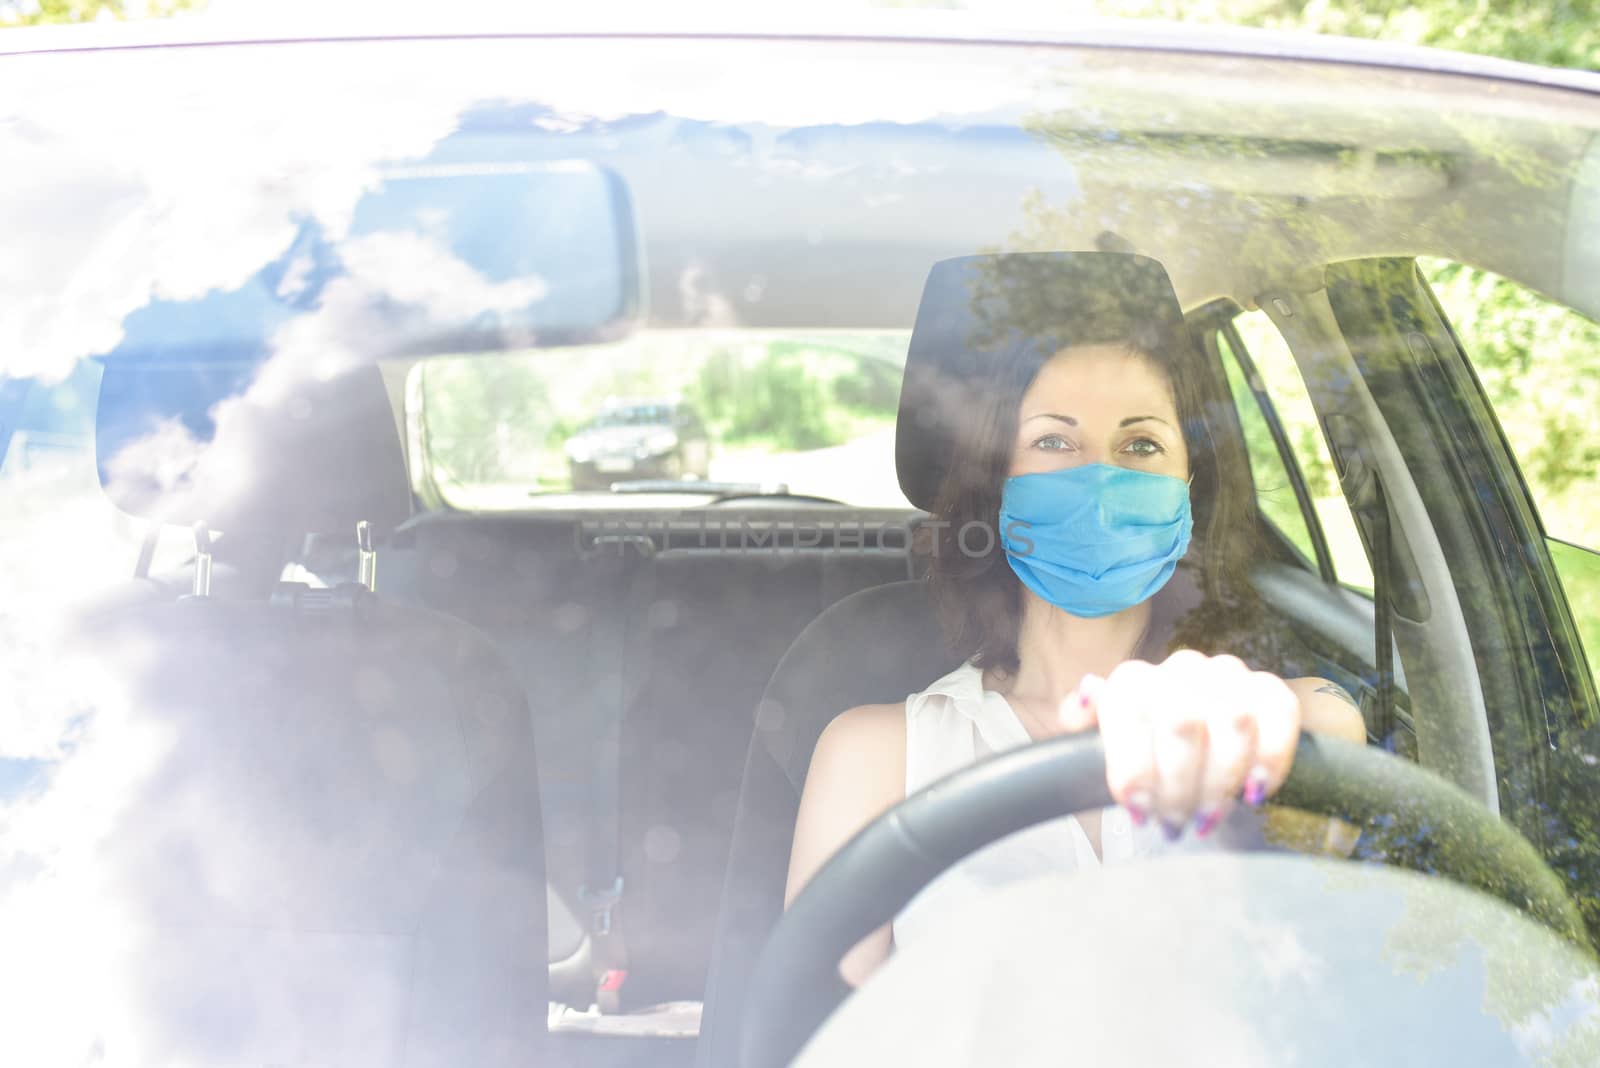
pixel 1281 954
pixel 188 178
pixel 245 884
pixel 242 861
pixel 702 303
pixel 198 168
pixel 414 269
pixel 396 285
pixel 217 869
pixel 65 932
pixel 1569 1028
pixel 160 461
pixel 808 170
pixel 59 543
pixel 1254 959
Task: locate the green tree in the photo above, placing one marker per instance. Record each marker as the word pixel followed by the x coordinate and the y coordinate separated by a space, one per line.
pixel 1557 33
pixel 488 420
pixel 776 397
pixel 1536 360
pixel 44 12
pixel 792 394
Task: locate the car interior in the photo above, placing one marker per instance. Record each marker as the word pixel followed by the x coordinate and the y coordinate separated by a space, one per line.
pixel 644 655
pixel 565 743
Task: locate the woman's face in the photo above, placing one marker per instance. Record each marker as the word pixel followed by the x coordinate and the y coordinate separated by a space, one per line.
pixel 1099 404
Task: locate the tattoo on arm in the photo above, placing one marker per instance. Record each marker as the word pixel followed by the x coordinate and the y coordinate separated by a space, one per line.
pixel 1333 689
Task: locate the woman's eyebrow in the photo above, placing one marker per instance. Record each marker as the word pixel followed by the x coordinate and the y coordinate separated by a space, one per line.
pixel 1067 419
pixel 1141 418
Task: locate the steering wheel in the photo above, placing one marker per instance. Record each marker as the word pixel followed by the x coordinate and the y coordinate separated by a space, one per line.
pixel 1416 819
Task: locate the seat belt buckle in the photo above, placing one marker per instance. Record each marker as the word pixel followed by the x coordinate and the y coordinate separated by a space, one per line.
pixel 600 904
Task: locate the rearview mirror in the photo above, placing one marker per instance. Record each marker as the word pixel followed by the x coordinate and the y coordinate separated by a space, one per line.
pixel 451 258
pixel 541 254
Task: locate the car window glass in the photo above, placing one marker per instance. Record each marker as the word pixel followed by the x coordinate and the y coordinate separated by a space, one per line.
pixel 1535 360
pixel 813 414
pixel 271 774
pixel 1274 489
pixel 1287 391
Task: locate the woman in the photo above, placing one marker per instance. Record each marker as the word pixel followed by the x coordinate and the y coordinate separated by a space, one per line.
pixel 1114 597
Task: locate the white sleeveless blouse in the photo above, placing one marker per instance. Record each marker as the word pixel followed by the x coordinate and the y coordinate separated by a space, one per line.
pixel 956 722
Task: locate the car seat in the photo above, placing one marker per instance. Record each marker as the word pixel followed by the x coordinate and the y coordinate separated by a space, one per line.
pixel 335 851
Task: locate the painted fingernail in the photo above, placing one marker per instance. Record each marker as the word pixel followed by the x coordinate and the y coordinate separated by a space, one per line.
pixel 1086 689
pixel 1255 787
pixel 1171 831
pixel 1138 807
pixel 1207 822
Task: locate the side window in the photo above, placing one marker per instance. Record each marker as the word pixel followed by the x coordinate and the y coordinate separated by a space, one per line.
pixel 1261 370
pixel 1539 363
pixel 1275 491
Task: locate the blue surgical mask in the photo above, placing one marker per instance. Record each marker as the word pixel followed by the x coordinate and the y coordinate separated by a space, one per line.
pixel 1095 539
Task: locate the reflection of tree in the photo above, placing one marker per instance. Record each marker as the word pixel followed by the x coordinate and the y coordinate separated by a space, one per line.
pixel 1546 997
pixel 1299 177
pixel 1030 307
pixel 1273 210
pixel 1546 755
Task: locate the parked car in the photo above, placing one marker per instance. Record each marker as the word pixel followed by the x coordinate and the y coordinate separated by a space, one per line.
pixel 639 439
pixel 299 763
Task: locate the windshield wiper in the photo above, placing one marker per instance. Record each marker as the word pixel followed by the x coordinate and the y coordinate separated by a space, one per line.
pixel 719 491
pixel 709 489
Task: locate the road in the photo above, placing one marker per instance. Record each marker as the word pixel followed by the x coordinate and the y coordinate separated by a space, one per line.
pixel 859 472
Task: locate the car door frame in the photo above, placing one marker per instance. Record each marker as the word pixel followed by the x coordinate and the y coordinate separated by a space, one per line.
pixel 1503 586
pixel 1334 622
pixel 1430 632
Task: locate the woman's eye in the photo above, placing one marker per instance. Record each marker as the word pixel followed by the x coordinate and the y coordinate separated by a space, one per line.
pixel 1052 441
pixel 1144 447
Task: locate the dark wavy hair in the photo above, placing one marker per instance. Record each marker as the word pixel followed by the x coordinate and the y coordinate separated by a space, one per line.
pixel 1027 316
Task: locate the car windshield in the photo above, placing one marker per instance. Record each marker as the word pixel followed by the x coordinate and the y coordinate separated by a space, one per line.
pixel 448 486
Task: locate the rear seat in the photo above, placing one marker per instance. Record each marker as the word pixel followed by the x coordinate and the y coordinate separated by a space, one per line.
pixel 701 644
pixel 714 626
pixel 728 622
pixel 337 845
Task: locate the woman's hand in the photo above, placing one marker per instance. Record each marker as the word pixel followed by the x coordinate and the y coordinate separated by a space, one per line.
pixel 1186 737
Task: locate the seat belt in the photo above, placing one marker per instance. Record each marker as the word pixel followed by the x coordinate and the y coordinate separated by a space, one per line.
pixel 626 580
pixel 1383 614
pixel 1363 489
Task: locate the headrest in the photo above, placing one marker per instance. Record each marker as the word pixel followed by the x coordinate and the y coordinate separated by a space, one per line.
pixel 247 453
pixel 876 645
pixel 976 308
